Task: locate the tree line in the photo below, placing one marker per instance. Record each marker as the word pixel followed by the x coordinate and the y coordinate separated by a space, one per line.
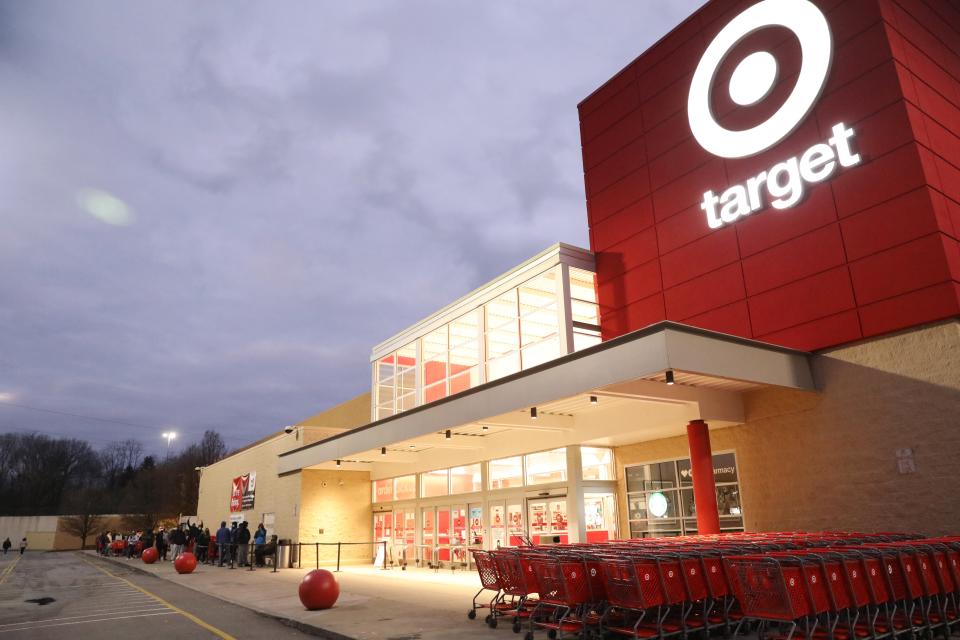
pixel 40 475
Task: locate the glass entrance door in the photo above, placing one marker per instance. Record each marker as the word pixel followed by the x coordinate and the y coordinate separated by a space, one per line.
pixel 498 525
pixel 428 539
pixel 443 534
pixel 548 520
pixel 458 535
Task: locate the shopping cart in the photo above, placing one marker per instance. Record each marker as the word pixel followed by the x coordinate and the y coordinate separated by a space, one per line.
pixel 489 581
pixel 567 604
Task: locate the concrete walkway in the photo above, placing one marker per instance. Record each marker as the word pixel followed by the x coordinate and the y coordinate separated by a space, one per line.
pixel 374 604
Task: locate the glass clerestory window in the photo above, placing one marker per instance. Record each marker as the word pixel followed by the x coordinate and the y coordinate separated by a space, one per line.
pixel 517 329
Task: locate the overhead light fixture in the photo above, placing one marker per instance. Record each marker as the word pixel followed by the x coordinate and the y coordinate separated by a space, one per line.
pixel 383 451
pixel 533 413
pixel 593 400
pixel 338 463
pixel 670 376
pixel 448 435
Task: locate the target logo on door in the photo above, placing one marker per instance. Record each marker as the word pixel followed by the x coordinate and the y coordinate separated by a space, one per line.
pixel 784 184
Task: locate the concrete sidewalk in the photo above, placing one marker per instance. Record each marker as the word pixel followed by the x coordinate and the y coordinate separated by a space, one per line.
pixel 374 604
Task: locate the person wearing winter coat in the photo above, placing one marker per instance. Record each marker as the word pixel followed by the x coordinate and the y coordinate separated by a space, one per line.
pixel 177 539
pixel 6 546
pixel 243 544
pixel 223 542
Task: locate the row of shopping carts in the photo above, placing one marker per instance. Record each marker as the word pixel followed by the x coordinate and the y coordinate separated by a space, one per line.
pixel 830 586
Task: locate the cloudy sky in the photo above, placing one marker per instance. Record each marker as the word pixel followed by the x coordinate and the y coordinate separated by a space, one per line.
pixel 211 211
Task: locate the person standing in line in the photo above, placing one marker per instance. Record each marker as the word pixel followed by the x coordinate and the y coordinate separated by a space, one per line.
pixel 233 541
pixel 223 542
pixel 23 545
pixel 6 546
pixel 177 540
pixel 243 544
pixel 161 544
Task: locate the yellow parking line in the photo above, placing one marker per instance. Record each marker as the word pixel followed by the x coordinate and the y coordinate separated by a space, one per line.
pixel 186 614
pixel 6 572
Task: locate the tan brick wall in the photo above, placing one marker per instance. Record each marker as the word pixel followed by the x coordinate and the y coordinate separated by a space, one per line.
pixel 827 460
pixel 338 502
pixel 280 496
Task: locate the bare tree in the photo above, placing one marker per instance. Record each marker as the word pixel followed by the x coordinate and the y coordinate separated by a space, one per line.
pixel 82 526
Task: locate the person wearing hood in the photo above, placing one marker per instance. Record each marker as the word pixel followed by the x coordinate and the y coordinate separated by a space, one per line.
pixel 223 542
pixel 243 544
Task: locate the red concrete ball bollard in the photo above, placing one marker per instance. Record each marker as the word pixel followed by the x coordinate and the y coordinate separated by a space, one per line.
pixel 319 590
pixel 185 563
pixel 149 555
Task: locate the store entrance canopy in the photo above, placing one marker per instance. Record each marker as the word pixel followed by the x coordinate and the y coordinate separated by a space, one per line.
pixel 710 370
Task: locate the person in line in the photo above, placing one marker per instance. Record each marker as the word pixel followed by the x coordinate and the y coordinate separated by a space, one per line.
pixel 23 545
pixel 162 544
pixel 243 544
pixel 147 540
pixel 6 546
pixel 203 542
pixel 260 536
pixel 177 539
pixel 223 541
pixel 132 544
pixel 233 542
pixel 267 550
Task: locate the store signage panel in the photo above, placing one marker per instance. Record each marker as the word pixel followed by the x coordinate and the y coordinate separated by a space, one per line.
pixel 783 185
pixel 242 491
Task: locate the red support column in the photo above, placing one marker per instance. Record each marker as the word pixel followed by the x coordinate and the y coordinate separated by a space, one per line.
pixel 704 489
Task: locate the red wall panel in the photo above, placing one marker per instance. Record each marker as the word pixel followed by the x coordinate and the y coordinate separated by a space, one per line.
pixel 873 249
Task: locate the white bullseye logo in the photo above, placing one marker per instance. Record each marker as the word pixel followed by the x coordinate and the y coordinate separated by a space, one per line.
pixel 756 75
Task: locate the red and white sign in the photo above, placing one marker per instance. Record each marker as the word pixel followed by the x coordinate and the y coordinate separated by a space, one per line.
pixel 242 492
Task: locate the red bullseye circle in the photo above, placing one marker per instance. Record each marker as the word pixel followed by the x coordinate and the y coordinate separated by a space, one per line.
pixel 319 590
pixel 185 563
pixel 149 555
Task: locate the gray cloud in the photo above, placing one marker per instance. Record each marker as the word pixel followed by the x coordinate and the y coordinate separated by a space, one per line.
pixel 305 180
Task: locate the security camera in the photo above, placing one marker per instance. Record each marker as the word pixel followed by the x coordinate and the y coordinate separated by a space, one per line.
pixel 288 429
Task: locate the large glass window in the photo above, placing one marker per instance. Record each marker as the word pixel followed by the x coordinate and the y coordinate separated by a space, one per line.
pixel 518 329
pixel 503 335
pixel 405 487
pixel 383 490
pixel 434 483
pixel 547 466
pixel 434 368
pixel 597 463
pixel 660 497
pixel 465 352
pixel 506 473
pixel 539 320
pixel 585 314
pixel 465 479
pixel 396 381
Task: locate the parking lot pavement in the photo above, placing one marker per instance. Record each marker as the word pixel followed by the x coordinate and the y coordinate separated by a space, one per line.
pixel 72 595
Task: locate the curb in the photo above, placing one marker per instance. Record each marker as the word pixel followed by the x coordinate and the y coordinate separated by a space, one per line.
pixel 305 627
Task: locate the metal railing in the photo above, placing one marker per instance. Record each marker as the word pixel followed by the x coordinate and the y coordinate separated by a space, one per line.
pixel 256 554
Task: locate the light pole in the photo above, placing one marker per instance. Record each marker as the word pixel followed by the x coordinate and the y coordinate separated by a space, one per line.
pixel 169 435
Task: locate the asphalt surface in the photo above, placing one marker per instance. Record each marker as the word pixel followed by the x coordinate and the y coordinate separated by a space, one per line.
pixel 69 595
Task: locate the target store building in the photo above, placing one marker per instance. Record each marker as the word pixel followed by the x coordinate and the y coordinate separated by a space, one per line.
pixel 764 333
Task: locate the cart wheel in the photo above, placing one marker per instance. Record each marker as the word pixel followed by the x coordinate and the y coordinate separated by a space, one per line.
pixel 516 626
pixel 493 623
pixel 552 633
pixel 472 614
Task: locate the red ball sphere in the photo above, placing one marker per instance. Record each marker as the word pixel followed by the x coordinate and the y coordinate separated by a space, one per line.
pixel 149 555
pixel 319 590
pixel 185 563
